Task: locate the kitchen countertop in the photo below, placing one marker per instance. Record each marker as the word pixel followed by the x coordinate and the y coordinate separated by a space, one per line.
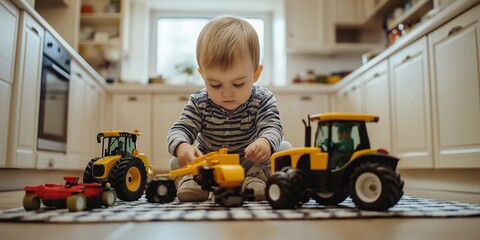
pixel 133 88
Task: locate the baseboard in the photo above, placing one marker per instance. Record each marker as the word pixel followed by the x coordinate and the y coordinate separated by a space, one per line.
pixel 449 180
pixel 17 179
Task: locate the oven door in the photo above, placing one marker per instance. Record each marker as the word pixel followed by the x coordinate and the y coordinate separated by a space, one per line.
pixel 52 129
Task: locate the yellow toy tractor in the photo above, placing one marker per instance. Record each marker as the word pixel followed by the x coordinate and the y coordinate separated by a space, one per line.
pixel 125 168
pixel 219 172
pixel 340 164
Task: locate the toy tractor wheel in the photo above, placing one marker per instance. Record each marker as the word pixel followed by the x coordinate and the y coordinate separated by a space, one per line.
pixel 161 191
pixel 328 198
pixel 206 178
pixel 284 189
pixel 229 197
pixel 108 198
pixel 31 202
pixel 88 173
pixel 129 177
pixel 77 202
pixel 376 187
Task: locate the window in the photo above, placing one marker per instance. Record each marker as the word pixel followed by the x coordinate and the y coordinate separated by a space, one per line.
pixel 175 43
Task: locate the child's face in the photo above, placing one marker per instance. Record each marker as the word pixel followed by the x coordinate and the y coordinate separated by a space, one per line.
pixel 232 87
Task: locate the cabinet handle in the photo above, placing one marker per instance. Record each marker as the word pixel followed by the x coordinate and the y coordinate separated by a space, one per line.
pixel 78 74
pixel 305 98
pixel 354 88
pixel 182 98
pixel 51 162
pixel 408 57
pixel 132 99
pixel 454 30
pixel 35 30
pixel 376 75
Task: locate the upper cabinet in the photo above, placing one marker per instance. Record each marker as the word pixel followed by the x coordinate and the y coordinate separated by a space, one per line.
pixel 305 25
pixel 454 56
pixel 349 26
pixel 328 27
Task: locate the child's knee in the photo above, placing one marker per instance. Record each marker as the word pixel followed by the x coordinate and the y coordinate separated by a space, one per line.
pixel 174 164
pixel 284 145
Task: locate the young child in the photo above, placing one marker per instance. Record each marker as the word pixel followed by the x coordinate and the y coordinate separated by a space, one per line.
pixel 231 112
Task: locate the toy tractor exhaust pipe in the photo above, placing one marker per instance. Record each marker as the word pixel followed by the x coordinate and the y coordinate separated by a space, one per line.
pixel 308 132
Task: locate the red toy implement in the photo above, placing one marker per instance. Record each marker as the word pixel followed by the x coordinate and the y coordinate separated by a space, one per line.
pixel 73 195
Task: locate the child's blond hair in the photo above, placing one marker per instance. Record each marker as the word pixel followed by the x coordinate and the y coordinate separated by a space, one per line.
pixel 224 39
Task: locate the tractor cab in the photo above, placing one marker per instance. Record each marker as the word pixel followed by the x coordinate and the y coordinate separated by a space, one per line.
pixel 118 143
pixel 341 135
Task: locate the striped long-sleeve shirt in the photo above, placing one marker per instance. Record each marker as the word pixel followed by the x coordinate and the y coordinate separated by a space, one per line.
pixel 215 127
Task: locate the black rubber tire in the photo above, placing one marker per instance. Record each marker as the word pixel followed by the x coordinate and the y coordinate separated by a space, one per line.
pixel 118 178
pixel 206 178
pixel 88 173
pixel 228 197
pixel 389 184
pixel 330 198
pixel 161 190
pixel 284 189
pixel 296 178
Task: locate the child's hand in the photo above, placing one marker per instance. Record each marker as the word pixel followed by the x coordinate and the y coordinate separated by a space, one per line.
pixel 258 151
pixel 186 153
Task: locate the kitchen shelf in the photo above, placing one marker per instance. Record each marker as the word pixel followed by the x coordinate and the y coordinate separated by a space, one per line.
pixel 104 54
pixel 338 48
pixel 91 42
pixel 417 11
pixel 101 18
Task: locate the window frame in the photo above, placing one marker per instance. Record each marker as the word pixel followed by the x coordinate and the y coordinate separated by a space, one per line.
pixel 267 74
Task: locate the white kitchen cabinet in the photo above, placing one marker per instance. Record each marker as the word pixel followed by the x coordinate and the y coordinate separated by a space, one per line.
pixel 454 53
pixel 52 160
pixel 84 117
pixel 346 12
pixel 26 91
pixel 9 15
pixel 5 90
pixel 349 98
pixel 167 110
pixel 294 107
pixel 411 112
pixel 377 101
pixel 134 111
pixel 305 24
pixel 94 103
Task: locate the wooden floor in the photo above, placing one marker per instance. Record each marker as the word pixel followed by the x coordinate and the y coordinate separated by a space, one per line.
pixel 388 228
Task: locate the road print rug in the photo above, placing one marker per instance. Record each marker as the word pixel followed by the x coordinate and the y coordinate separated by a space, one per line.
pixel 142 211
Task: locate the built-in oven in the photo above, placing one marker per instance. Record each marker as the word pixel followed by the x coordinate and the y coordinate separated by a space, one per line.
pixel 55 83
